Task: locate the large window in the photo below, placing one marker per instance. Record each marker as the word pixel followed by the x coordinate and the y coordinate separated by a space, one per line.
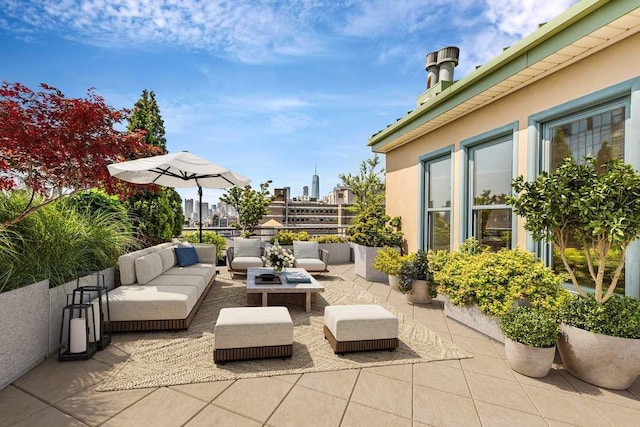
pixel 598 133
pixel 438 203
pixel 490 172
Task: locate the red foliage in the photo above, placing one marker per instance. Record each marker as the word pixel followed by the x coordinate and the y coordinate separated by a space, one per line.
pixel 48 141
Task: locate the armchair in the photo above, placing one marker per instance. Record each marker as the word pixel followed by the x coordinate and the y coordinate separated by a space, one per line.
pixel 310 257
pixel 243 254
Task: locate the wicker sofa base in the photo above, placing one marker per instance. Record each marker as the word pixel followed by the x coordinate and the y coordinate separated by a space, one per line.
pixel 340 347
pixel 160 325
pixel 221 355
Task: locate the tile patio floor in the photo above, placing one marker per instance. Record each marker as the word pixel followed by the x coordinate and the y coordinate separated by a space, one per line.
pixel 481 391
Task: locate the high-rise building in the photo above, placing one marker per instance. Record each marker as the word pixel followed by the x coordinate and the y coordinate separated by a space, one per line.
pixel 315 186
pixel 305 191
pixel 188 208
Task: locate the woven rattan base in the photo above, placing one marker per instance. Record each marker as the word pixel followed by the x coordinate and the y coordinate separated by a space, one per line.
pixel 221 355
pixel 363 345
pixel 160 325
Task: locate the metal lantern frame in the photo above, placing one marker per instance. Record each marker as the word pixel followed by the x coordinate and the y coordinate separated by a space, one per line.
pixel 77 311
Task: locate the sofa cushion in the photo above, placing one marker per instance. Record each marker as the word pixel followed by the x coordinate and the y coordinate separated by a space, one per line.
pixel 148 267
pixel 205 271
pixel 168 257
pixel 244 262
pixel 186 256
pixel 136 302
pixel 127 265
pixel 305 249
pixel 197 281
pixel 310 264
pixel 246 248
pixel 206 252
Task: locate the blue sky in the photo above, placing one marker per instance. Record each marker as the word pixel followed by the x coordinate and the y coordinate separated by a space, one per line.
pixel 268 89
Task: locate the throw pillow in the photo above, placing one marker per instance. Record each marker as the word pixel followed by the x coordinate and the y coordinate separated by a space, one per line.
pixel 305 249
pixel 186 256
pixel 246 248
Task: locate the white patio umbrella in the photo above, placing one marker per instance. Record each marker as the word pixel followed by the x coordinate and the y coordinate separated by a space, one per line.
pixel 177 170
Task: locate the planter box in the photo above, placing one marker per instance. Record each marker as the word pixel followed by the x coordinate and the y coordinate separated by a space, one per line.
pixel 339 253
pixel 363 257
pixel 24 328
pixel 474 318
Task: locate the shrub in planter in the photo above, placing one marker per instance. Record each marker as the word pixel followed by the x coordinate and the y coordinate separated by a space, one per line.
pixel 285 237
pixel 209 237
pixel 374 228
pixel 389 261
pixel 415 278
pixel 329 238
pixel 619 316
pixel 530 338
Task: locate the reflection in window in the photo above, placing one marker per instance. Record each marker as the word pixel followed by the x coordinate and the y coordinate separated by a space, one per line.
pixel 438 209
pixel 490 175
pixel 598 134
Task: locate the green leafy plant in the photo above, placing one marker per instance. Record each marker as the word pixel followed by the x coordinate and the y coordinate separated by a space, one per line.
pixel 367 186
pixel 495 280
pixel 286 237
pixel 619 316
pixel 530 326
pixel 329 239
pixel 597 205
pixel 416 267
pixel 252 205
pixel 376 229
pixel 389 261
pixel 209 237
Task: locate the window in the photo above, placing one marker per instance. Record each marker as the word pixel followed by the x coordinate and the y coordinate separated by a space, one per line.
pixel 490 171
pixel 438 203
pixel 600 133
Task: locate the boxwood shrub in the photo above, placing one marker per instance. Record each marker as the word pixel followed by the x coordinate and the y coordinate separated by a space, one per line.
pixel 531 326
pixel 619 316
pixel 209 237
pixel 285 237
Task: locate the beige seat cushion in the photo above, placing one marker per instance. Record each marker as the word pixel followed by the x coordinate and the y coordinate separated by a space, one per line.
pixel 310 264
pixel 360 322
pixel 244 262
pixel 196 281
pixel 305 249
pixel 246 248
pixel 242 327
pixel 134 302
pixel 206 271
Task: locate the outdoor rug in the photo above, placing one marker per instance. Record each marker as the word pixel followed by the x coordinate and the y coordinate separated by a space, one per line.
pixel 157 359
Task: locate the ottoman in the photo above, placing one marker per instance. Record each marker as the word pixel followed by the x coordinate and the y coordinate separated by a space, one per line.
pixel 360 328
pixel 252 333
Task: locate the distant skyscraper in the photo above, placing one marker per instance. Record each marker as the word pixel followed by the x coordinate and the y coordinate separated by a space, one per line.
pixel 305 191
pixel 188 207
pixel 315 185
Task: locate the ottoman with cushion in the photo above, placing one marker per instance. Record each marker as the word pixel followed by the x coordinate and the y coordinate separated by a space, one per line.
pixel 252 333
pixel 360 328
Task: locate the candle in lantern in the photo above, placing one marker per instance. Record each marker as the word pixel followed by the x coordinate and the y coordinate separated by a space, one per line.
pixel 78 335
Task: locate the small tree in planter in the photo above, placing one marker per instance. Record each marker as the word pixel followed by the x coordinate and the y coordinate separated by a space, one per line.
pixel 599 206
pixel 530 340
pixel 252 205
pixel 415 278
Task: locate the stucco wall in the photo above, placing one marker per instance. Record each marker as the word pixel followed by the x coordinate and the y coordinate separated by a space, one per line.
pixel 615 64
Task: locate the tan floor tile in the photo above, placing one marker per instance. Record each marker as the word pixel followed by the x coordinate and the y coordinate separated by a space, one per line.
pixel 381 290
pixel 438 408
pixel 305 407
pixel 50 417
pixel 499 348
pixel 398 372
pixel 487 365
pixel 556 423
pixel 553 381
pixel 15 405
pixel 214 416
pixel 497 416
pixel 203 391
pixel 111 355
pixel 477 346
pixel 505 393
pixel 618 415
pixel 53 381
pixel 457 328
pixel 429 313
pixel 441 377
pixel 635 388
pixel 384 393
pixel 291 379
pixel 363 416
pixel 453 363
pixel 163 407
pixel 565 407
pixel 590 391
pixel 94 407
pixel 335 383
pixel 255 398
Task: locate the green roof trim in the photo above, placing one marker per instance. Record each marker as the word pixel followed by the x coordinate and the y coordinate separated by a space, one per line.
pixel 578 21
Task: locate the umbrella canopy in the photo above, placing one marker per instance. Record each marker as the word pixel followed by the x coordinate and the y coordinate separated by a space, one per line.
pixel 177 170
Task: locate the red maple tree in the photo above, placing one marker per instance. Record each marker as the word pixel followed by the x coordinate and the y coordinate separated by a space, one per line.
pixel 56 146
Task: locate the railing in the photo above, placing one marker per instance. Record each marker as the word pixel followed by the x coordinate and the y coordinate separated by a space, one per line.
pixel 266 233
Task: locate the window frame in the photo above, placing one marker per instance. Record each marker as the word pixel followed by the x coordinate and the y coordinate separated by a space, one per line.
pixel 425 161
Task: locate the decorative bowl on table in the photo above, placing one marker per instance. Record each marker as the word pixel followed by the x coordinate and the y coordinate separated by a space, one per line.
pixel 268 276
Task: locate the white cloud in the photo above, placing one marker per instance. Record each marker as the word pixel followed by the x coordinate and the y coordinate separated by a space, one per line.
pixel 519 18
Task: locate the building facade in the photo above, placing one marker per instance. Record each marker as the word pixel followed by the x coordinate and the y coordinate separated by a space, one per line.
pixel 572 87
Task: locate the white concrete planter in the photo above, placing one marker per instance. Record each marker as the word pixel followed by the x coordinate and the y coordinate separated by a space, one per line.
pixel 474 318
pixel 394 282
pixel 530 361
pixel 420 292
pixel 364 257
pixel 24 330
pixel 339 253
pixel 601 360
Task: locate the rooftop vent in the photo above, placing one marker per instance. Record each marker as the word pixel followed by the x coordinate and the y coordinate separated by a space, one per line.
pixel 440 65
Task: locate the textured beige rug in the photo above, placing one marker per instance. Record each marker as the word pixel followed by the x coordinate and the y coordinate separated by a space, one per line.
pixel 170 358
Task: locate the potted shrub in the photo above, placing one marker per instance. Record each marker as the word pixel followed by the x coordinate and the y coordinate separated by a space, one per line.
pixel 211 238
pixel 530 336
pixel 599 207
pixel 337 246
pixel 390 261
pixel 415 278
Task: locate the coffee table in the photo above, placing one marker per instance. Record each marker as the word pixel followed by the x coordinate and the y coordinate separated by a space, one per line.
pixel 282 288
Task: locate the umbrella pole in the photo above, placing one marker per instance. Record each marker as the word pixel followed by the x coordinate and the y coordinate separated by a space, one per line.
pixel 200 210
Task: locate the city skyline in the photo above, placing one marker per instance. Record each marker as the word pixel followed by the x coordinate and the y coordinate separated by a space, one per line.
pixel 269 90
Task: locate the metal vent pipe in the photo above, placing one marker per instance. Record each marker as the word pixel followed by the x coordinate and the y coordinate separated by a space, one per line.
pixel 432 69
pixel 447 61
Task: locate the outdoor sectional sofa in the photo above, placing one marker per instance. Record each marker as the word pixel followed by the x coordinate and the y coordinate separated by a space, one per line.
pixel 156 293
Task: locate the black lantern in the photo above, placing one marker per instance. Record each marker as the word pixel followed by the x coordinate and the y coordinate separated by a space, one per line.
pixel 98 296
pixel 78 345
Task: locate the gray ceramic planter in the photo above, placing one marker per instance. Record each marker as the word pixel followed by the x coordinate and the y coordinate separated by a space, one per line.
pixel 530 361
pixel 393 282
pixel 601 360
pixel 420 292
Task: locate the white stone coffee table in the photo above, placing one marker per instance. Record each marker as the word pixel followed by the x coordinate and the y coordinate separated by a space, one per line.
pixel 282 288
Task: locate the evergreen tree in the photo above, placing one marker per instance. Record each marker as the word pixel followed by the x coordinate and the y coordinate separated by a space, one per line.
pixel 146 116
